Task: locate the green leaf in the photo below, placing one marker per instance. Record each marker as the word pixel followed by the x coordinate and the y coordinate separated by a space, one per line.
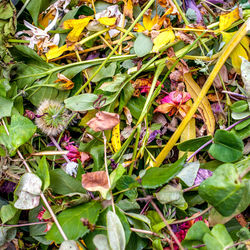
pixel 105 72
pixel 21 130
pixel 142 45
pixel 126 182
pixel 156 177
pixel 81 102
pixel 223 190
pixel 140 217
pixel 101 242
pixel 195 234
pixel 43 172
pixel 5 107
pixel 227 146
pixel 116 175
pixel 193 144
pixel 62 183
pixel 157 245
pixel 116 235
pixel 127 205
pixel 70 221
pixel 239 106
pixel 36 230
pixel 189 173
pixel 242 125
pixel 115 84
pixel 172 195
pixel 239 116
pixel 243 133
pixel 218 239
pixel 35 7
pixel 7 212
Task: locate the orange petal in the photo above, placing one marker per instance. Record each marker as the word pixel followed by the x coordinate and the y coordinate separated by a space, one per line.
pixel 164 108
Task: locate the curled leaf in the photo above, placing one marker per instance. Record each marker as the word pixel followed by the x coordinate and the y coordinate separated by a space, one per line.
pixel 103 121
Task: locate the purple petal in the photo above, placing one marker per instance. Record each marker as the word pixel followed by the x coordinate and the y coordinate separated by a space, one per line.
pixel 153 135
pixel 192 5
pixel 202 175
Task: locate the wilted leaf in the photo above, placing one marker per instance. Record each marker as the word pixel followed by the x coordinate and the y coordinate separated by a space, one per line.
pixel 96 181
pixel 28 192
pixel 205 107
pixel 104 121
pixel 227 19
pixel 116 235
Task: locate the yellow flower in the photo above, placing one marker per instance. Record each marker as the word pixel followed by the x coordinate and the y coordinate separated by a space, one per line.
pixel 242 49
pixel 77 26
pixel 151 24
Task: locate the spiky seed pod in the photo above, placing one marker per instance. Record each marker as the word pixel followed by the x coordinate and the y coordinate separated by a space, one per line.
pixel 51 118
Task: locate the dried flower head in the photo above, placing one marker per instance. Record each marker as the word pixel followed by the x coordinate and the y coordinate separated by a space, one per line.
pixel 52 117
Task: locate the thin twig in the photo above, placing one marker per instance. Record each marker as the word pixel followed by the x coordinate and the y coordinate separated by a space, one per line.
pixel 41 194
pixel 59 148
pixel 190 188
pixel 191 218
pixel 106 168
pixel 238 243
pixel 144 231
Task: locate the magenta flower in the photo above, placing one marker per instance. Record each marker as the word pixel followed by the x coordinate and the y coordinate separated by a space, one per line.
pixel 176 97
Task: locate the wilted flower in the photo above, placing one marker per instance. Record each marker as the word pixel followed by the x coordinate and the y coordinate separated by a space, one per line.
pixel 173 103
pixel 52 117
pixel 64 83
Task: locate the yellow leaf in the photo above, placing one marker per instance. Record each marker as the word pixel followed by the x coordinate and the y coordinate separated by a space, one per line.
pixel 139 28
pixel 77 26
pixel 115 140
pixel 227 19
pixel 162 39
pixel 205 107
pixel 188 133
pixel 242 49
pixel 55 52
pixel 109 21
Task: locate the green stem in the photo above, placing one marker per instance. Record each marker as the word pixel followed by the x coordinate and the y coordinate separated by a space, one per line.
pixel 150 94
pixel 181 12
pixel 135 149
pixel 92 36
pixel 117 46
pixel 91 62
pixel 18 41
pixel 22 9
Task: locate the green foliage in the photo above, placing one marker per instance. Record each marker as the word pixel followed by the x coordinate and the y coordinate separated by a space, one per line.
pixel 43 172
pixel 223 190
pixel 156 177
pixel 143 45
pixel 227 147
pixel 70 220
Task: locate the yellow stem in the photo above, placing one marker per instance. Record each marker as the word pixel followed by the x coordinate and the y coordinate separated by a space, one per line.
pixel 222 59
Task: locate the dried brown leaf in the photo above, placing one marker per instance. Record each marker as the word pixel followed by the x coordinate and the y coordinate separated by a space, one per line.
pixel 103 121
